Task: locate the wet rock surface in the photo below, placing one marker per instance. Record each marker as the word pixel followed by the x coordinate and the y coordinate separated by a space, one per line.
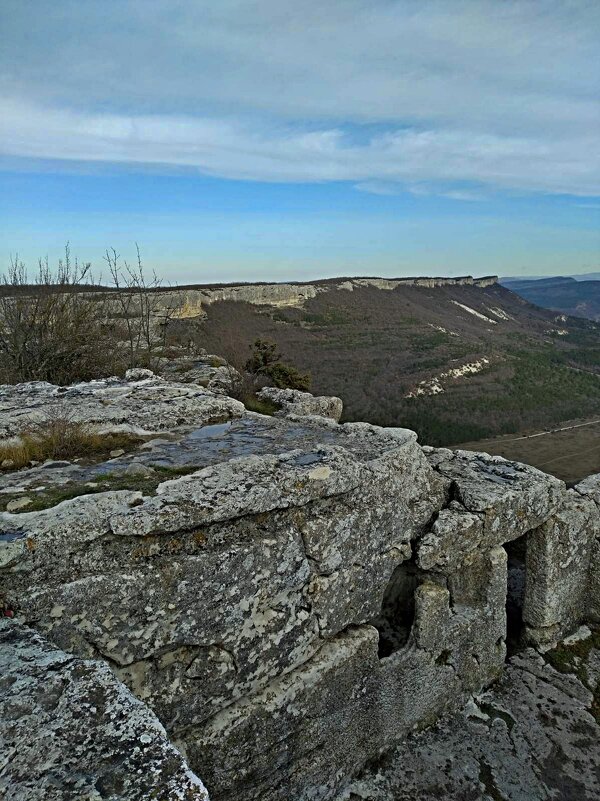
pixel 71 730
pixel 184 449
pixel 535 736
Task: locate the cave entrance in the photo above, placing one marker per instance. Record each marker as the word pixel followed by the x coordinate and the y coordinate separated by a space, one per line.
pixel 515 593
pixel 395 620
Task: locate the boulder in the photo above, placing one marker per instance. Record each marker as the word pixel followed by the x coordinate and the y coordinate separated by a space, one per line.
pixel 292 402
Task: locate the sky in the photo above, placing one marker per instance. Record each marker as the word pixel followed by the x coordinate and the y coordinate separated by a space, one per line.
pixel 285 140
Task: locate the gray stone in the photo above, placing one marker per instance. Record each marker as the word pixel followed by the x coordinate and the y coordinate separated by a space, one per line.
pixel 69 729
pixel 512 498
pixel 292 402
pixel 306 595
pixel 18 503
pixel 138 374
pixel 558 556
pixel 531 738
pixel 138 470
pixel 113 404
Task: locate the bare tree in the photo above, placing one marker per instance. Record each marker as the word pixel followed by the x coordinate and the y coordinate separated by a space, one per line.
pixel 53 327
pixel 142 307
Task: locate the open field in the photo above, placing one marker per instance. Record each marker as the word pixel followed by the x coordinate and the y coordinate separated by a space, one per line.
pixel 570 451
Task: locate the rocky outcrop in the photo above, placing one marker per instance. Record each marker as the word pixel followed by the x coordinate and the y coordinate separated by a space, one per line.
pixel 191 302
pixel 141 402
pixel 70 730
pixel 291 597
pixel 303 404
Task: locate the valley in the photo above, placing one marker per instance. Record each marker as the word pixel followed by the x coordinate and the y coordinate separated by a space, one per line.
pixel 569 452
pixel 457 362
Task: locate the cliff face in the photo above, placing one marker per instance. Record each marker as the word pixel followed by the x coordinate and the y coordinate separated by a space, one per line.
pixel 192 301
pixel 306 595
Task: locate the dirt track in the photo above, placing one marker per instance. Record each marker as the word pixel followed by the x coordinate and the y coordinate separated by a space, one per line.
pixel 570 452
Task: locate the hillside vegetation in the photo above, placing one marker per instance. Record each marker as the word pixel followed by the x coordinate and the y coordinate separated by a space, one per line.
pixel 476 361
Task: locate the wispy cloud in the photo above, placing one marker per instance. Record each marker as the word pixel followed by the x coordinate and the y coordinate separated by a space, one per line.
pixel 383 93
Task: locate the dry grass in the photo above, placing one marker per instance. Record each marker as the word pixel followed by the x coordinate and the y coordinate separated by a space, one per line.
pixel 61 437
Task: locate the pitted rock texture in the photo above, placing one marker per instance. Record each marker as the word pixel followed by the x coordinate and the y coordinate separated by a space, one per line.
pixel 142 403
pixel 307 594
pixel 227 577
pixel 69 729
pixel 303 404
pixel 509 498
pixel 533 737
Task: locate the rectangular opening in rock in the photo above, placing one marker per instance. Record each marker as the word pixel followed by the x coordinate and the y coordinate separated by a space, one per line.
pixel 515 593
pixel 395 620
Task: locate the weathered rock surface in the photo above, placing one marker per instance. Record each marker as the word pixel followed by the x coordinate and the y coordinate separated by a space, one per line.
pixel 533 737
pixel 70 730
pixel 290 596
pixel 303 404
pixel 147 403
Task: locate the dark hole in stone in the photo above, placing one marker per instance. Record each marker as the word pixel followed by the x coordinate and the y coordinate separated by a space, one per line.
pixel 395 621
pixel 444 657
pixel 515 594
pixel 307 458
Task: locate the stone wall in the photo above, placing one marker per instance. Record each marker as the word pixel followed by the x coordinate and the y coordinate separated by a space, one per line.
pixel 308 593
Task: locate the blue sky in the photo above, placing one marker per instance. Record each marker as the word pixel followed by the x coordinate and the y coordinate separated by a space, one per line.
pixel 274 140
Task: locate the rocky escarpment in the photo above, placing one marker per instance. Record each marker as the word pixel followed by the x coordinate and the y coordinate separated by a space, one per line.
pixel 291 597
pixel 191 301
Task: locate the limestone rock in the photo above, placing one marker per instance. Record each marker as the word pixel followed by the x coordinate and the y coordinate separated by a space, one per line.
pixel 69 729
pixel 290 596
pixel 512 498
pixel 17 504
pixel 302 404
pixel 150 404
pixel 559 553
pixel 138 374
pixel 531 738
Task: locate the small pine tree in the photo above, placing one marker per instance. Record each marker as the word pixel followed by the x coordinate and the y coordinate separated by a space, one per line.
pixel 265 361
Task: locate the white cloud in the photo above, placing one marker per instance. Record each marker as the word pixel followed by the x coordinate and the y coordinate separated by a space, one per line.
pixel 383 93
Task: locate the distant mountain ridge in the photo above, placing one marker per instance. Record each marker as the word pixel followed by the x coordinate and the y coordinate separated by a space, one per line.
pixel 562 293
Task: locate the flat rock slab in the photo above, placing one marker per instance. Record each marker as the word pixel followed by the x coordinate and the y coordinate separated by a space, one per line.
pixel 69 729
pixel 534 737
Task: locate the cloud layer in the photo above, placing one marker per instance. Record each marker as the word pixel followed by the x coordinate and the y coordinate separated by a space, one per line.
pixel 382 93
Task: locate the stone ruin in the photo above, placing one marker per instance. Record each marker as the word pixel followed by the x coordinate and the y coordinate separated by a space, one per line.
pixel 284 600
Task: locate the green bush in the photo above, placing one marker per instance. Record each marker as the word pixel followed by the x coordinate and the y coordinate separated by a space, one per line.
pixel 265 361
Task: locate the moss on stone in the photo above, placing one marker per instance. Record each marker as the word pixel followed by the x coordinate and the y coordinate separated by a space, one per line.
pixel 105 482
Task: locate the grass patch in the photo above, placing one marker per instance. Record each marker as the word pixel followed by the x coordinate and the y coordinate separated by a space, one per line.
pixel 105 482
pixel 59 437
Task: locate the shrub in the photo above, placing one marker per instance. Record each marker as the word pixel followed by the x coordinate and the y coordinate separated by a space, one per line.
pixel 145 316
pixel 284 376
pixel 265 361
pixel 260 405
pixel 56 328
